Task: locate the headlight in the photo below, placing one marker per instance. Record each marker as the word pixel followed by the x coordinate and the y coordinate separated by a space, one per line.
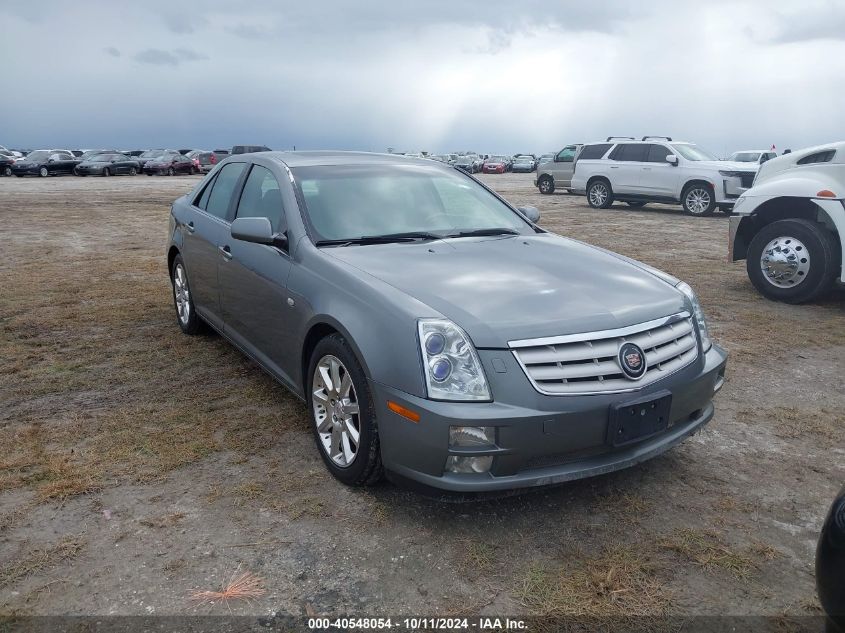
pixel 698 313
pixel 450 363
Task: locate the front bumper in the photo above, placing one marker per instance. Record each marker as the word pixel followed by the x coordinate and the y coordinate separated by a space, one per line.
pixel 541 440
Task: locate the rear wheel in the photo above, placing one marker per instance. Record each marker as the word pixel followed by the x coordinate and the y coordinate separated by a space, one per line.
pixel 171 172
pixel 7 171
pixel 186 316
pixel 792 260
pixel 599 194
pixel 106 172
pixel 546 185
pixel 698 199
pixel 342 413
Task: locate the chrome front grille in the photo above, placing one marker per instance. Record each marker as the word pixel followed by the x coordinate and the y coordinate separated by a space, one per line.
pixel 589 362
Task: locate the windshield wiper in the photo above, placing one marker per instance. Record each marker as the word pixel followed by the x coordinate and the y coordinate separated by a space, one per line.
pixel 485 232
pixel 410 236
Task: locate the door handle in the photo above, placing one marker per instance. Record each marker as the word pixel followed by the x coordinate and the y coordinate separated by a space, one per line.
pixel 614 166
pixel 226 252
pixel 646 168
pixel 191 228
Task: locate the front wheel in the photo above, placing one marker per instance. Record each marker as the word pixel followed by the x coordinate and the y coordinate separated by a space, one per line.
pixel 599 194
pixel 133 171
pixel 698 199
pixel 43 172
pixel 342 414
pixel 792 260
pixel 546 185
pixel 171 172
pixel 106 172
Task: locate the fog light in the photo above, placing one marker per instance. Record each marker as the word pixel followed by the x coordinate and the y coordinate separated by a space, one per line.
pixel 472 435
pixel 461 464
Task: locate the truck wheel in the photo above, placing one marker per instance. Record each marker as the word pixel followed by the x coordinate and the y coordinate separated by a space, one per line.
pixel 599 194
pixel 698 199
pixel 792 260
pixel 546 185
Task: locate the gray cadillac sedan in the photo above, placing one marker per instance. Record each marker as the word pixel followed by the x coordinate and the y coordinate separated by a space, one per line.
pixel 435 332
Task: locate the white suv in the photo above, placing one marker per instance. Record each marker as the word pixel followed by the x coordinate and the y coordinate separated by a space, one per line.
pixel 658 169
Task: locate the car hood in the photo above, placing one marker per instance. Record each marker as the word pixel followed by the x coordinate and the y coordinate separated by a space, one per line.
pixel 509 288
pixel 727 165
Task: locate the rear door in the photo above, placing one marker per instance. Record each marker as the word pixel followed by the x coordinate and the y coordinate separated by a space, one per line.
pixel 659 178
pixel 626 163
pixel 253 278
pixel 564 166
pixel 206 228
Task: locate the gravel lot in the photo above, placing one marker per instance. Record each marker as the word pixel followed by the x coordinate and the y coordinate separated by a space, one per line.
pixel 139 465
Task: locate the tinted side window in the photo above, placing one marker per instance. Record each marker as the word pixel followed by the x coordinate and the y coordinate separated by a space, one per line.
pixel 224 186
pixel 818 157
pixel 593 151
pixel 202 201
pixel 657 154
pixel 630 152
pixel 262 198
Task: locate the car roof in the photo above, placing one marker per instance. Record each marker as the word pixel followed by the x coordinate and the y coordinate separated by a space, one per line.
pixel 328 157
pixel 760 151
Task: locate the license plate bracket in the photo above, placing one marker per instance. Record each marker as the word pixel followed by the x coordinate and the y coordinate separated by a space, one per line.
pixel 637 420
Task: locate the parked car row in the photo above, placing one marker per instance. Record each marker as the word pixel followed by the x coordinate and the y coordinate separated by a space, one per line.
pixel 112 162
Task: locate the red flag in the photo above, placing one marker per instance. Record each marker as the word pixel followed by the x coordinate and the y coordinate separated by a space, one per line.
pixel 773 147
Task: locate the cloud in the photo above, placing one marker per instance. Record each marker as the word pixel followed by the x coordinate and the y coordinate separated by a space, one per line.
pixel 111 50
pixel 822 22
pixel 161 57
pixel 183 24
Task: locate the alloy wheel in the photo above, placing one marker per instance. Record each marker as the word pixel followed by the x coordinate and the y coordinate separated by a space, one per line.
pixel 43 172
pixel 785 262
pixel 697 200
pixel 336 412
pixel 598 194
pixel 182 294
pixel 545 185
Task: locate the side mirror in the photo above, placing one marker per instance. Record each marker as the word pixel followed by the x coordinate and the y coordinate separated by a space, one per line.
pixel 257 231
pixel 532 213
pixel 672 159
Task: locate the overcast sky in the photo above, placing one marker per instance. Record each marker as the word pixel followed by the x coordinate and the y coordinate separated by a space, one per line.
pixel 435 75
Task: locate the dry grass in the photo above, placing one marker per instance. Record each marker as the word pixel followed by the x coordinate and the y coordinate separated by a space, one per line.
pixel 707 549
pixel 823 425
pixel 40 559
pixel 618 583
pixel 476 557
pixel 245 586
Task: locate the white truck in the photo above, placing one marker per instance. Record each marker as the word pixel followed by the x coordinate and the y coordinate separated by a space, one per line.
pixel 790 225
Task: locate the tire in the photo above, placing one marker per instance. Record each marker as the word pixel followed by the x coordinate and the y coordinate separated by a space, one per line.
pixel 186 315
pixel 636 205
pixel 698 200
pixel 546 185
pixel 43 172
pixel 149 173
pixel 600 194
pixel 133 171
pixel 106 172
pixel 193 171
pixel 7 172
pixel 364 468
pixel 171 172
pixel 792 278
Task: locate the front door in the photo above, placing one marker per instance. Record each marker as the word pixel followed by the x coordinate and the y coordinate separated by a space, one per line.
pixel 253 279
pixel 659 178
pixel 564 166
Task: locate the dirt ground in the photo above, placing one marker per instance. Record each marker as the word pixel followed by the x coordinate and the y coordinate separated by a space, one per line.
pixel 138 465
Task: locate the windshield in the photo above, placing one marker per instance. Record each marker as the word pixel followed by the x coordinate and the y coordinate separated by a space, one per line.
pixel 350 202
pixel 496 159
pixel 38 155
pixel 151 153
pixel 524 159
pixel 693 152
pixel 745 157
